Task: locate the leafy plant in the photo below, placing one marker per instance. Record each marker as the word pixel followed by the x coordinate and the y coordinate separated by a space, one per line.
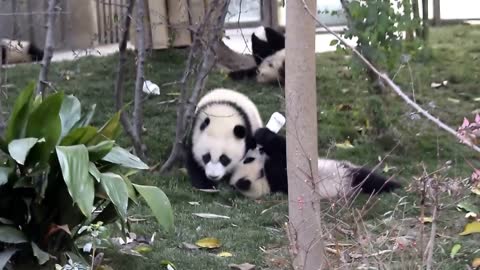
pixel 61 173
pixel 379 30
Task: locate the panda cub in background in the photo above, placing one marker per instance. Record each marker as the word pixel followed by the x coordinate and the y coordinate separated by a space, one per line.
pixel 222 133
pixel 19 51
pixel 268 49
pixel 264 171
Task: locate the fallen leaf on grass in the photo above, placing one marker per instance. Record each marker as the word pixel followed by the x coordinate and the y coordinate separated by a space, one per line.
pixel 473 227
pixel 208 215
pixel 142 249
pixel 194 203
pixel 455 250
pixel 208 242
pixel 224 254
pixel 168 264
pixel 190 246
pixel 476 262
pixel 453 100
pixel 426 220
pixel 467 206
pixel 243 266
pixel 209 190
pixel 345 145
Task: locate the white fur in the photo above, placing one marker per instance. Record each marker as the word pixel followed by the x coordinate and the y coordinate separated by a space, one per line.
pixel 268 70
pixel 16 51
pixel 334 177
pixel 218 137
pixel 260 33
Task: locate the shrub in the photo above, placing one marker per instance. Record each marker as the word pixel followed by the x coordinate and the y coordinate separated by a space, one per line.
pixel 60 173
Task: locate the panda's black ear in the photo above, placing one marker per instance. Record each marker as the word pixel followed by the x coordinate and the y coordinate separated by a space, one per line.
pixel 240 131
pixel 205 124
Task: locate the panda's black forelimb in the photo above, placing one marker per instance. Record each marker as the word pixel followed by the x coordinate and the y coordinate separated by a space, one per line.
pixel 35 52
pixel 242 74
pixel 372 183
pixel 275 146
pixel 196 173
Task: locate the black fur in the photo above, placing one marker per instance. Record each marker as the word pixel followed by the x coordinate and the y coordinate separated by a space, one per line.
pixel 243 184
pixel 196 173
pixel 241 74
pixel 371 182
pixel 275 146
pixel 239 131
pixel 205 124
pixel 3 54
pixel 35 52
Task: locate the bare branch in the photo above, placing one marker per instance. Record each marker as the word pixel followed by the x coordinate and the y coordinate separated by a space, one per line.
pixel 384 77
pixel 200 61
pixel 122 59
pixel 48 49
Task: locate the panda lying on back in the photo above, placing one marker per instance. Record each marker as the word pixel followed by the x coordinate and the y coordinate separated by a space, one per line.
pixel 19 51
pixel 264 170
pixel 222 132
pixel 268 49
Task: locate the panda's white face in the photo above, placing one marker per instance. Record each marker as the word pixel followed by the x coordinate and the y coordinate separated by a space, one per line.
pixel 249 175
pixel 219 143
pixel 270 68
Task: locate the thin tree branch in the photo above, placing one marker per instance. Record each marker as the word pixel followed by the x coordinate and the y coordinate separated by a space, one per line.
pixel 200 61
pixel 138 101
pixel 120 77
pixel 384 77
pixel 48 49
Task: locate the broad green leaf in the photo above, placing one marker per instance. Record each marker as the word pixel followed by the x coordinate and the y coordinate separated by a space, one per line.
pixel 117 192
pixel 20 148
pixel 93 170
pixel 110 130
pixel 87 118
pixel 5 256
pixel 159 204
pixel 41 255
pixel 20 112
pixel 4 171
pixel 79 136
pixel 455 250
pixel 100 150
pixel 70 113
pixel 473 227
pixel 132 194
pixel 11 235
pixel 74 164
pixel 122 157
pixel 44 122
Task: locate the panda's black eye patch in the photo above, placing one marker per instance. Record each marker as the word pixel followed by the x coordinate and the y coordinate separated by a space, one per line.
pixel 224 160
pixel 243 184
pixel 248 160
pixel 261 150
pixel 240 131
pixel 205 124
pixel 206 158
pixel 270 65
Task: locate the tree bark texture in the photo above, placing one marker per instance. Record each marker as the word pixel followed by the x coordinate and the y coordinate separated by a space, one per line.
pixel 48 49
pixel 200 61
pixel 425 20
pixel 304 226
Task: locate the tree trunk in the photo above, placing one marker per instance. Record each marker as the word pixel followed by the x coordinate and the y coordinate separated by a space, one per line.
pixel 425 20
pixel 48 49
pixel 416 16
pixel 436 13
pixel 304 226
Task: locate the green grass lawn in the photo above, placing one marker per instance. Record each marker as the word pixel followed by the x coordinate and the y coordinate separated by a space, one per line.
pixel 255 232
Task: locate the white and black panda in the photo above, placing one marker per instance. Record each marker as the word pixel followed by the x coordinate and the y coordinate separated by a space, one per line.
pixel 264 171
pixel 19 51
pixel 268 50
pixel 222 132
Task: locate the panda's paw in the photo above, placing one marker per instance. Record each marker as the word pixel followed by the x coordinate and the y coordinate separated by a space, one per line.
pixel 264 135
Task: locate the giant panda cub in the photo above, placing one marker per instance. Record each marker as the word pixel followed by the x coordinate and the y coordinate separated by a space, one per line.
pixel 264 171
pixel 19 51
pixel 268 49
pixel 222 132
